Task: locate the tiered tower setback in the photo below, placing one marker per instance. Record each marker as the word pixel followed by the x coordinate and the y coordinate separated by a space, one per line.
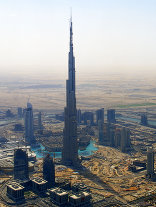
pixel 70 146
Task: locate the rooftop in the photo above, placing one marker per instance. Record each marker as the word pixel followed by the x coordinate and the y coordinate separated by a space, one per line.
pixel 58 191
pixel 15 186
pixel 39 180
pixel 79 195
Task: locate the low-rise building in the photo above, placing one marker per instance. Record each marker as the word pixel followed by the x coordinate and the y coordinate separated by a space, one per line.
pixel 59 196
pixel 39 184
pixel 80 187
pixel 79 199
pixel 15 191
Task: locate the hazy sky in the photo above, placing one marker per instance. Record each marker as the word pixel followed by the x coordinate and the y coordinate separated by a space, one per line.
pixel 118 34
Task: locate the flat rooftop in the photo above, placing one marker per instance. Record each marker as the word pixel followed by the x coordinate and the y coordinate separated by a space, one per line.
pixel 79 195
pixel 15 186
pixel 58 191
pixel 39 180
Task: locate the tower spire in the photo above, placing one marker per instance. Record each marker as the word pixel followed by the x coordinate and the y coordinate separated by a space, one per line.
pixel 71 34
pixel 70 14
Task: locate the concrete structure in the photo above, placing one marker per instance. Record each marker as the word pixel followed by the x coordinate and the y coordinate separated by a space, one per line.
pixel 21 171
pixel 144 120
pixel 20 112
pixel 15 191
pixel 111 116
pixel 100 115
pixel 112 135
pixel 77 187
pixel 40 127
pixel 49 170
pixel 80 199
pixel 106 139
pixel 125 139
pixel 101 131
pixel 70 145
pixel 29 125
pixel 59 196
pixel 79 117
pixel 150 161
pixel 88 116
pixel 117 137
pixel 39 185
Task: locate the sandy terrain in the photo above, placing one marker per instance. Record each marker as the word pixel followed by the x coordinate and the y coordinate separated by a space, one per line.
pixel 93 91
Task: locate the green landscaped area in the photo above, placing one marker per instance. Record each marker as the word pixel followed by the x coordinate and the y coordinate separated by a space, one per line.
pixel 136 105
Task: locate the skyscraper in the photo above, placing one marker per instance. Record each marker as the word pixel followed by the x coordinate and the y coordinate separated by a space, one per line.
pixel 21 171
pixel 70 145
pixel 100 115
pixel 79 116
pixel 101 131
pixel 39 121
pixel 29 124
pixel 49 170
pixel 144 120
pixel 20 112
pixel 125 139
pixel 150 161
pixel 111 116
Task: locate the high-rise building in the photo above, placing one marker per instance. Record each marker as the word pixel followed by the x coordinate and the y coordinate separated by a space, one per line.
pixel 101 131
pixel 88 116
pixel 117 137
pixel 20 112
pixel 29 125
pixel 150 161
pixel 106 139
pixel 112 135
pixel 40 121
pixel 79 116
pixel 111 116
pixel 144 120
pixel 49 170
pixel 125 139
pixel 70 145
pixel 100 115
pixel 21 171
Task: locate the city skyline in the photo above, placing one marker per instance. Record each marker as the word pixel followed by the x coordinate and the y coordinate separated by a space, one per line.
pixel 117 35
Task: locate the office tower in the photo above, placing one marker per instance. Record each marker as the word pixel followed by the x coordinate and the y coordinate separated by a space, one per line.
pixel 29 125
pixel 125 139
pixel 117 137
pixel 144 120
pixel 106 138
pixel 79 116
pixel 70 145
pixel 111 116
pixel 49 170
pixel 101 131
pixel 21 171
pixel 112 135
pixel 150 161
pixel 100 115
pixel 88 116
pixel 39 121
pixel 19 112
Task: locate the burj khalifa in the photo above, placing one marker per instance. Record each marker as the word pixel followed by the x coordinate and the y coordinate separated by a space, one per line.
pixel 70 145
